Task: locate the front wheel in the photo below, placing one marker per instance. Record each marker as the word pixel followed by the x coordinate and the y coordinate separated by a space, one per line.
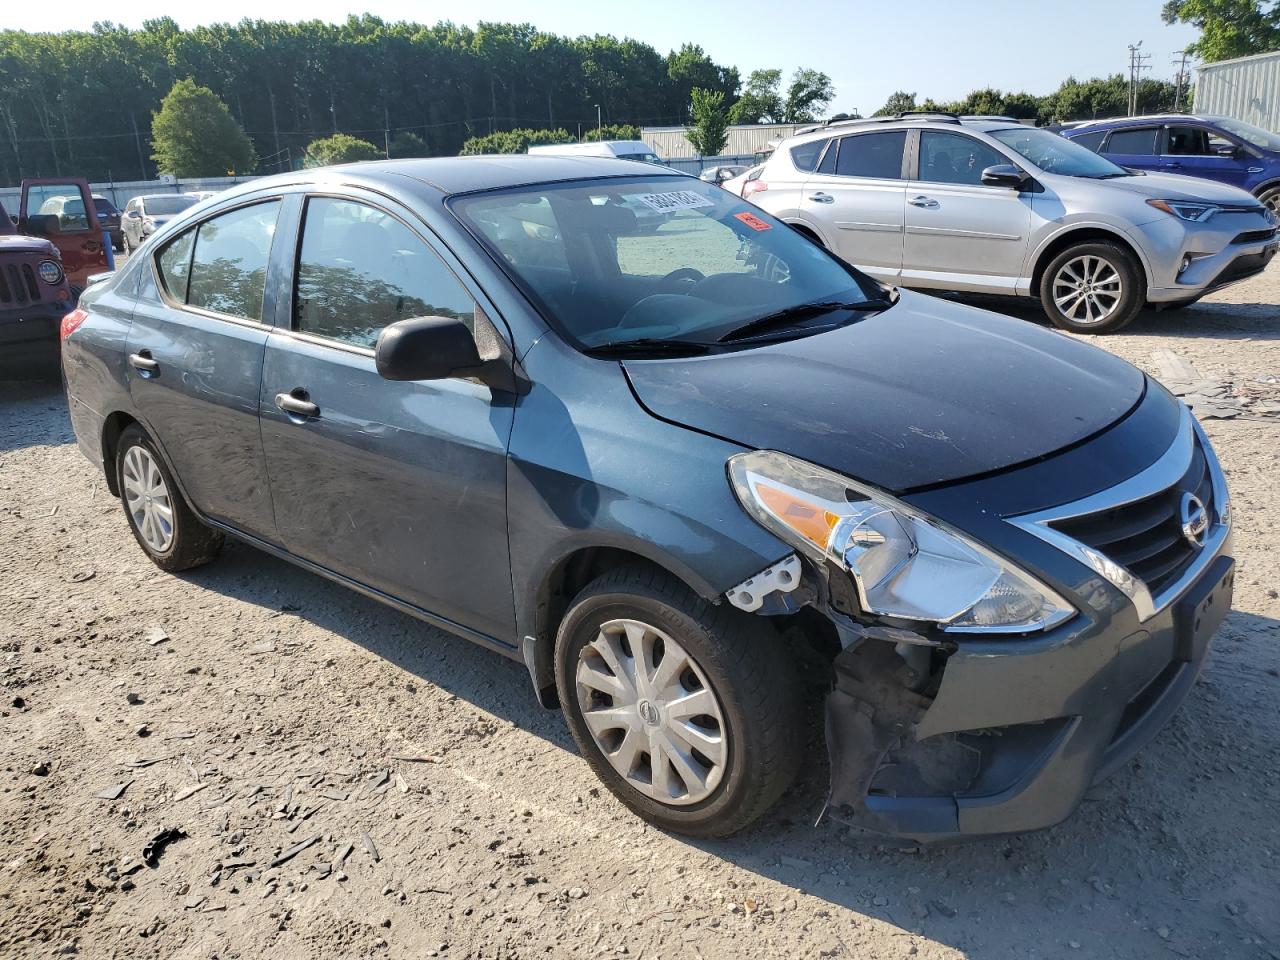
pixel 162 523
pixel 1092 288
pixel 1271 199
pixel 690 713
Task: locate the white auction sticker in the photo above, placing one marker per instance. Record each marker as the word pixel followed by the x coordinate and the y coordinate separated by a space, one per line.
pixel 676 200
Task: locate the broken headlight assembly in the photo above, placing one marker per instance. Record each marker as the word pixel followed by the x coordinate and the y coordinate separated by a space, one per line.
pixel 905 564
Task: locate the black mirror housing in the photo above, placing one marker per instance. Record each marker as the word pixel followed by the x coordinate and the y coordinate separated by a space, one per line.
pixel 1004 175
pixel 427 348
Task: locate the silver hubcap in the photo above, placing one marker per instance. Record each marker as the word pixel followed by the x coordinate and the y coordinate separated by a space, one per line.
pixel 652 712
pixel 147 499
pixel 1087 289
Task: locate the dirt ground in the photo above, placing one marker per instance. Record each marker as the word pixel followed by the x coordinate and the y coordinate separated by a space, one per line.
pixel 276 710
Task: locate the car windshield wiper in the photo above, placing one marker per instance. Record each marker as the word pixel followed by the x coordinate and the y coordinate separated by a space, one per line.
pixel 782 318
pixel 664 346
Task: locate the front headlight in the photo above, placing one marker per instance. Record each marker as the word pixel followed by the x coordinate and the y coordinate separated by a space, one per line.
pixel 1185 209
pixel 904 563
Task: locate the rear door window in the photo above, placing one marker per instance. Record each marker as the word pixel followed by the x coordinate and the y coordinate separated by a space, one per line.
pixel 360 269
pixel 872 155
pixel 229 265
pixel 955 158
pixel 1136 143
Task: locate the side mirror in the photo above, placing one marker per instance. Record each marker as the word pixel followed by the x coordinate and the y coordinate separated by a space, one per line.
pixel 42 225
pixel 1004 175
pixel 426 348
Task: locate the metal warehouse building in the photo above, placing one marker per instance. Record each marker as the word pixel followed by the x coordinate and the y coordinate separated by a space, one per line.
pixel 744 139
pixel 1247 88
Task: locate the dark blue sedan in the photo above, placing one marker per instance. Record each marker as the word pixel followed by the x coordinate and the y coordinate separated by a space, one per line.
pixel 664 460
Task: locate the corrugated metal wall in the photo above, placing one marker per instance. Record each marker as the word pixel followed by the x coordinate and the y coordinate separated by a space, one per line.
pixel 671 143
pixel 1247 89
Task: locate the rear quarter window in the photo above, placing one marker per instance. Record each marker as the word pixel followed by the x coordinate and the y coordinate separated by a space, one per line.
pixel 805 155
pixel 1091 140
pixel 1139 143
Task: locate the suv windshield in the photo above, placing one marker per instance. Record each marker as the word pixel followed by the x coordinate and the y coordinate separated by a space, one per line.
pixel 1055 154
pixel 167 206
pixel 1249 133
pixel 655 260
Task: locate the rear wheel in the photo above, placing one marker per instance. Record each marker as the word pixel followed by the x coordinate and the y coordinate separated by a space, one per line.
pixel 1092 288
pixel 159 517
pixel 689 712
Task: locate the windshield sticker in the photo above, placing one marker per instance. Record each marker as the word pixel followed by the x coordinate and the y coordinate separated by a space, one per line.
pixel 676 200
pixel 752 221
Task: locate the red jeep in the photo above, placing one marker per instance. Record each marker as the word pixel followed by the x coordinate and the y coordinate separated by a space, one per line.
pixel 44 264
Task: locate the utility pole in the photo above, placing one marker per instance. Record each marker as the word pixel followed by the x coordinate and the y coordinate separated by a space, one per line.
pixel 599 125
pixel 137 140
pixel 1181 78
pixel 386 132
pixel 1137 63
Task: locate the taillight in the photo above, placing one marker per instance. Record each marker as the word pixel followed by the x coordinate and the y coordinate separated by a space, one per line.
pixel 753 186
pixel 71 323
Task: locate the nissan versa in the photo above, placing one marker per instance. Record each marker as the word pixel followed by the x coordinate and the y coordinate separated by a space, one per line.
pixel 665 467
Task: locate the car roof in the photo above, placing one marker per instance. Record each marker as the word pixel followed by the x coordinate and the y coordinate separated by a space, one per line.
pixel 455 175
pixel 1108 123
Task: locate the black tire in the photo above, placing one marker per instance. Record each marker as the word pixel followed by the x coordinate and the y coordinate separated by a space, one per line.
pixel 193 544
pixel 1133 294
pixel 748 669
pixel 1271 198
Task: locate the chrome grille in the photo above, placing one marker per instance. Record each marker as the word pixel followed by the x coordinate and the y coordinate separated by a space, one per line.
pixel 1145 536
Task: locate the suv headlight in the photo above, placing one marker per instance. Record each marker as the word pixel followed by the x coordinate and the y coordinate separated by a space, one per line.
pixel 904 563
pixel 1185 209
pixel 50 271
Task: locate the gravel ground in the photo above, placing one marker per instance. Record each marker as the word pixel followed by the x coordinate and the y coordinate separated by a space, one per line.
pixel 277 710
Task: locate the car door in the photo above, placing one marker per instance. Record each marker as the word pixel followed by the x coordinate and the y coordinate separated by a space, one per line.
pixel 398 486
pixel 195 360
pixel 62 211
pixel 855 200
pixel 131 222
pixel 962 234
pixel 1198 151
pixel 1133 147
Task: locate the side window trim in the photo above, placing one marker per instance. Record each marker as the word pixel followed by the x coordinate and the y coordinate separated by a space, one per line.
pixel 173 304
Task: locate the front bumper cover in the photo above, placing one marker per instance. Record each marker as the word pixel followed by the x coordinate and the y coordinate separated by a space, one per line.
pixel 1017 730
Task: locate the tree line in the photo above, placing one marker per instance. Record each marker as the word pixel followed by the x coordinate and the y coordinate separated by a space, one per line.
pixel 82 101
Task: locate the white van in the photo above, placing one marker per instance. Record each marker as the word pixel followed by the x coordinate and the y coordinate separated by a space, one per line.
pixel 622 149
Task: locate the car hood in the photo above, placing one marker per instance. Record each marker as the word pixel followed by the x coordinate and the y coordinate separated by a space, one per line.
pixel 1173 186
pixel 927 392
pixel 16 243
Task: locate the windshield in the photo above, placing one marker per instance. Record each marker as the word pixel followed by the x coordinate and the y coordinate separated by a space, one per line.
pixel 1055 154
pixel 103 205
pixel 644 157
pixel 166 206
pixel 666 258
pixel 1249 133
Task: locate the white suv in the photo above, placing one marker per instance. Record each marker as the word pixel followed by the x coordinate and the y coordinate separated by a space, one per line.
pixel 987 205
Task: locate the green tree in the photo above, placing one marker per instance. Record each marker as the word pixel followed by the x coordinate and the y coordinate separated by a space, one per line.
pixel 760 101
pixel 194 135
pixel 709 132
pixel 408 144
pixel 900 101
pixel 514 141
pixel 1228 28
pixel 612 131
pixel 690 68
pixel 808 95
pixel 339 148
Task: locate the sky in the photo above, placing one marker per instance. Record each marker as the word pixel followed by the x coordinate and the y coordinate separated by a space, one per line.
pixel 870 48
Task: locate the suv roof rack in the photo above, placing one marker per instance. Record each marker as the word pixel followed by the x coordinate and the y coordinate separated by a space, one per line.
pixel 927 115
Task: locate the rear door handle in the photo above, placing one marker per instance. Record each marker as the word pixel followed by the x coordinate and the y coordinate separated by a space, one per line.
pixel 926 203
pixel 144 362
pixel 296 404
pixel 822 197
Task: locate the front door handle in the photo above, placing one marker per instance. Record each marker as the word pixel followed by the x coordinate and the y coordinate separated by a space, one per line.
pixel 144 362
pixel 822 197
pixel 925 203
pixel 296 404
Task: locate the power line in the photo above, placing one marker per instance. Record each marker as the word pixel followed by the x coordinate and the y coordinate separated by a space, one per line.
pixel 1181 78
pixel 1137 63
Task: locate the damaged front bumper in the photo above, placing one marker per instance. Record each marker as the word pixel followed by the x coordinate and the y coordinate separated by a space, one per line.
pixel 1015 730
